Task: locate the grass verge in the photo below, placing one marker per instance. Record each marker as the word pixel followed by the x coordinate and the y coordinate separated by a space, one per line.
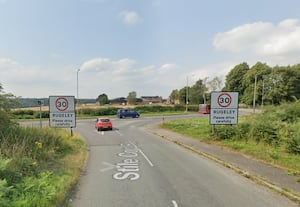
pixel 38 166
pixel 200 129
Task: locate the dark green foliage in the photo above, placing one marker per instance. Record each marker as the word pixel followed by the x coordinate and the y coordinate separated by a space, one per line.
pixel 292 137
pixel 23 112
pixel 266 131
pixel 274 86
pixel 290 112
pixel 226 132
pixel 44 114
pixel 276 126
pixel 293 145
pixel 103 111
pixel 102 99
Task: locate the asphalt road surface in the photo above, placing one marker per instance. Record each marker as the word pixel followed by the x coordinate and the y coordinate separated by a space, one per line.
pixel 129 167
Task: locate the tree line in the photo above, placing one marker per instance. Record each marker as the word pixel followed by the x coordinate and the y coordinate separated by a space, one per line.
pixel 262 83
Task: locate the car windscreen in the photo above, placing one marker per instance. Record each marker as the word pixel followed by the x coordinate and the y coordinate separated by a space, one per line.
pixel 104 120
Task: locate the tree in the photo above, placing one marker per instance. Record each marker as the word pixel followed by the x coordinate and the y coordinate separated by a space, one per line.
pixel 197 92
pixel 7 101
pixel 174 96
pixel 102 99
pixel 235 77
pixel 283 84
pixel 215 84
pixel 259 72
pixel 131 98
pixel 182 95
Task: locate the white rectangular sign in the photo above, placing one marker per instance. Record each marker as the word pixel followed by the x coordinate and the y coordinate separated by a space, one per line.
pixel 62 111
pixel 224 108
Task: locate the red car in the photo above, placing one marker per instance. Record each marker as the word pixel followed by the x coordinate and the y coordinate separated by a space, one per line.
pixel 103 124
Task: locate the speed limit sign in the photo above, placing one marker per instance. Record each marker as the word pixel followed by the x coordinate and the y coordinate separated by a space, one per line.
pixel 61 104
pixel 224 107
pixel 62 111
pixel 224 100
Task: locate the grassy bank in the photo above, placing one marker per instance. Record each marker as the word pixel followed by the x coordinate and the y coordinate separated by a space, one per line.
pixel 273 136
pixel 38 166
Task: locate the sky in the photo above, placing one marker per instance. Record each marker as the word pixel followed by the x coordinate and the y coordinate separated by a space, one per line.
pixel 148 46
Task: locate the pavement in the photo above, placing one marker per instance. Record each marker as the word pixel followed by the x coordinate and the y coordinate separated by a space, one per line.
pixel 273 177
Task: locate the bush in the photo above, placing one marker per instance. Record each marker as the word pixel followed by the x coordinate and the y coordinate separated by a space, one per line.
pixel 44 114
pixel 289 112
pixel 291 135
pixel 266 131
pixel 226 132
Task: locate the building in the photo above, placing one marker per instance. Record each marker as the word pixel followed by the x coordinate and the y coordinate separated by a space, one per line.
pixel 152 99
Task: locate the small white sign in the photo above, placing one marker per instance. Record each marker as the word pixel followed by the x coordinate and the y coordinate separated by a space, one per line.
pixel 62 111
pixel 224 108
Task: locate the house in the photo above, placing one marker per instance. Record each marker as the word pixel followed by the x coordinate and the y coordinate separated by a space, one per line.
pixel 152 99
pixel 118 101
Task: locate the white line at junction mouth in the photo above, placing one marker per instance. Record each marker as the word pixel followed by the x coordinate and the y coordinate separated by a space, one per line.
pixel 174 203
pixel 129 167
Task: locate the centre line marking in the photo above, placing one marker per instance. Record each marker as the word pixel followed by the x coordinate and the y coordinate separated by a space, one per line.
pixel 174 203
pixel 117 131
pixel 148 160
pixel 142 153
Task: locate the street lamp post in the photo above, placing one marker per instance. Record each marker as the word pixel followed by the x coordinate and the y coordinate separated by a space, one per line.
pixel 77 85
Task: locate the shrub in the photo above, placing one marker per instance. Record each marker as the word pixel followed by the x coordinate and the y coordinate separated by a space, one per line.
pixel 289 112
pixel 226 132
pixel 266 131
pixel 291 135
pixel 35 192
pixel 44 114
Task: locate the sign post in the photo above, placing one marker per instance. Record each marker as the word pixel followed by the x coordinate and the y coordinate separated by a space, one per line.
pixel 224 108
pixel 62 111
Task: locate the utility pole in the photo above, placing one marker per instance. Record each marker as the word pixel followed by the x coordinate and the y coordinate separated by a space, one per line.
pixel 187 94
pixel 254 93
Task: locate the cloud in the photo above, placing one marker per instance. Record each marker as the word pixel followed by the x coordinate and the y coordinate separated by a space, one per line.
pixel 263 40
pixel 130 17
pixel 119 77
pixel 106 64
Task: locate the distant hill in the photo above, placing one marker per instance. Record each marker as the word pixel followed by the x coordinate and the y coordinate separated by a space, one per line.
pixel 35 102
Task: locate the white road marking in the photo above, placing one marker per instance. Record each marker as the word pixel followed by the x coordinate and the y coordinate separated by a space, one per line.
pixel 174 203
pixel 148 160
pixel 142 153
pixel 117 131
pixel 109 166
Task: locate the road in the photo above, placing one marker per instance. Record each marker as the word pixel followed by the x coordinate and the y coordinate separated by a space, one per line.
pixel 129 167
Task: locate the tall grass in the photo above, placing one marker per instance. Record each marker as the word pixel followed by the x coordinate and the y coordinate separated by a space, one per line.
pixel 34 165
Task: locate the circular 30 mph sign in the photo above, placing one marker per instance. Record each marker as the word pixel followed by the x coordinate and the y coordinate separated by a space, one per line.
pixel 224 100
pixel 61 104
